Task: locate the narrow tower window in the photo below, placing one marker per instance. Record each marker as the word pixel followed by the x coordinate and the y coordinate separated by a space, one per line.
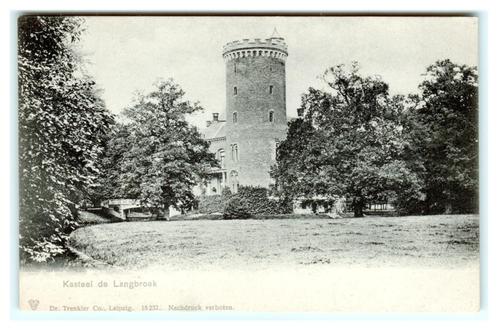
pixel 235 67
pixel 234 152
pixel 235 90
pixel 271 89
pixel 270 116
pixel 234 117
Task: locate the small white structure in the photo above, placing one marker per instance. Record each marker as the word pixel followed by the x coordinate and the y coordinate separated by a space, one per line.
pixel 132 210
pixel 337 209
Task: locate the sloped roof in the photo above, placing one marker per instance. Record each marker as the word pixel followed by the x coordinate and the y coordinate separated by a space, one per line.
pixel 215 130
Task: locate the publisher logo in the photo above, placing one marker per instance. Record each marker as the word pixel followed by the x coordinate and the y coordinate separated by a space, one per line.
pixel 33 303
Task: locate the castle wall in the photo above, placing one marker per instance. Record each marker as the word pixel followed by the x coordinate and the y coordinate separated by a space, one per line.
pixel 252 72
pixel 217 144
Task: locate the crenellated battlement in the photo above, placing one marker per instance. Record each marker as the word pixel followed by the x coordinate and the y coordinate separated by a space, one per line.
pixel 271 47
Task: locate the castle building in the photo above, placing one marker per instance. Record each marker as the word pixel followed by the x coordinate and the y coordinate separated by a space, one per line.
pixel 245 143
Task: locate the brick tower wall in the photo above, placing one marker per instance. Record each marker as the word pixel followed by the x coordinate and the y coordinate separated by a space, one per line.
pixel 251 68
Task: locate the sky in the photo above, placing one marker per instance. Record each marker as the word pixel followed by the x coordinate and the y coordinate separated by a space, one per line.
pixel 130 53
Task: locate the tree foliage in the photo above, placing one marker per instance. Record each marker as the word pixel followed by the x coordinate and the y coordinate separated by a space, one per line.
pixel 157 156
pixel 107 184
pixel 444 137
pixel 347 141
pixel 62 124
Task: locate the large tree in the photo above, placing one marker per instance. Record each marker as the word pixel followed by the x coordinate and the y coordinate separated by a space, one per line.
pixel 444 136
pixel 347 141
pixel 167 156
pixel 107 185
pixel 62 122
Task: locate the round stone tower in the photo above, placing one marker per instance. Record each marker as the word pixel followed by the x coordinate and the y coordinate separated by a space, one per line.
pixel 256 119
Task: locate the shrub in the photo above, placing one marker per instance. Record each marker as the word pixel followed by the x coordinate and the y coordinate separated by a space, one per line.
pixel 236 208
pixel 255 201
pixel 214 203
pixel 210 204
pixel 226 193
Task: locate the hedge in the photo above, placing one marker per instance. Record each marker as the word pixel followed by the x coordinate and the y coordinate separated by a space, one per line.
pixel 213 203
pixel 210 204
pixel 236 208
pixel 250 201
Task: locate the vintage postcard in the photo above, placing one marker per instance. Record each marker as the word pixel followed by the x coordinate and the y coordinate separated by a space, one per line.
pixel 233 164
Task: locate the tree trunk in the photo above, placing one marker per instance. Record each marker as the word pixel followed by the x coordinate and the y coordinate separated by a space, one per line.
pixel 358 211
pixel 358 205
pixel 162 213
pixel 448 208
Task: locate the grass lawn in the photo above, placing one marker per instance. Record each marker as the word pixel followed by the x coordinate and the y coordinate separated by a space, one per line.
pixel 442 240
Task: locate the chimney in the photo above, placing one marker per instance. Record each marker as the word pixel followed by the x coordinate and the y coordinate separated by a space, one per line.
pixel 215 116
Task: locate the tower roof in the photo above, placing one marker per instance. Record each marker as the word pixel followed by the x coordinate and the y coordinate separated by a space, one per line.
pixel 275 34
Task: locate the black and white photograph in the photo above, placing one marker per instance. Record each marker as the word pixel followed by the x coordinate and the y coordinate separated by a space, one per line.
pixel 269 163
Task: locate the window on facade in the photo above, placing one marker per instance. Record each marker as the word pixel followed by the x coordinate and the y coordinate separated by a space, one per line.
pixel 235 91
pixel 271 116
pixel 274 148
pixel 271 89
pixel 234 117
pixel 234 152
pixel 221 158
pixel 235 68
pixel 234 181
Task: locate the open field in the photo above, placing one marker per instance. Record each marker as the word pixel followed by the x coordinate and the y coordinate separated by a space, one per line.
pixel 448 241
pixel 374 264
